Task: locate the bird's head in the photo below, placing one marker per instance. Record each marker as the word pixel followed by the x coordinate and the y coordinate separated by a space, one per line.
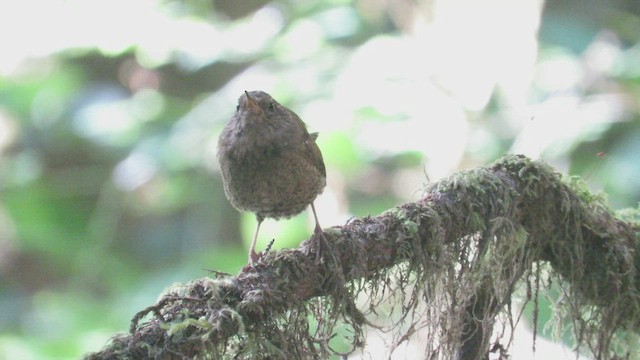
pixel 257 106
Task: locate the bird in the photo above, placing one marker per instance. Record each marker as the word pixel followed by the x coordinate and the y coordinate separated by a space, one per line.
pixel 270 164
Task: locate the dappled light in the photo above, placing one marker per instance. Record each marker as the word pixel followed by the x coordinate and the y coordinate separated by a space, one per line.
pixel 110 113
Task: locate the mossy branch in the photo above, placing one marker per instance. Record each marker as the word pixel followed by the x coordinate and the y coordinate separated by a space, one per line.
pixel 450 262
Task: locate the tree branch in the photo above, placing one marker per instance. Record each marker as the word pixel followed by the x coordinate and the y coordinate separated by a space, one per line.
pixel 465 245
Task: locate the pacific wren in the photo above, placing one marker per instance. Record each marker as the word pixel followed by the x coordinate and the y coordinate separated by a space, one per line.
pixel 270 163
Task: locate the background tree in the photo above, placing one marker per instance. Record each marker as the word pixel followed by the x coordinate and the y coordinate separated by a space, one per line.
pixel 109 112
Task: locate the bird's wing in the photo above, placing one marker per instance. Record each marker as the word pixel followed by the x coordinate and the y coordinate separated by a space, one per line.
pixel 313 153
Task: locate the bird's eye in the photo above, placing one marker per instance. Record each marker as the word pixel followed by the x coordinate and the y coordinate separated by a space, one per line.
pixel 272 107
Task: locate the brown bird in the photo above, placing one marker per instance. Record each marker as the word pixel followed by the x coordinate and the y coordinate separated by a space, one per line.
pixel 270 163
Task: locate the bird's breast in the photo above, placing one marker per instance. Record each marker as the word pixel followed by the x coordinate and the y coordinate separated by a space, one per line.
pixel 272 182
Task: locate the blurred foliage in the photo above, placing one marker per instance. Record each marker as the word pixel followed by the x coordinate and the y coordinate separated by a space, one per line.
pixel 109 117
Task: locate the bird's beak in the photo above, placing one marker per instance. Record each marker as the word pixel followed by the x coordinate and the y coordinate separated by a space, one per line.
pixel 252 103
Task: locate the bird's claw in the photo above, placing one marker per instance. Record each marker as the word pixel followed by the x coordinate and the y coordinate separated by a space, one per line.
pixel 321 244
pixel 254 258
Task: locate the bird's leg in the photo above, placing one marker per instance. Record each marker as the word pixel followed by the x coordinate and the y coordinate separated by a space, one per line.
pixel 318 234
pixel 318 228
pixel 253 256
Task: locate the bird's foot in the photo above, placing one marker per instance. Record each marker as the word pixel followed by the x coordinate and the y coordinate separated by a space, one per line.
pixel 322 245
pixel 254 257
pixel 253 260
